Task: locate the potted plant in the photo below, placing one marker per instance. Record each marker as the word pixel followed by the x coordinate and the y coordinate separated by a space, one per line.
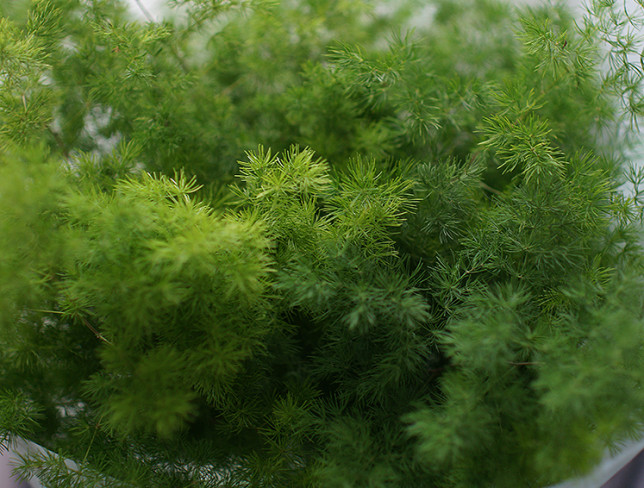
pixel 275 244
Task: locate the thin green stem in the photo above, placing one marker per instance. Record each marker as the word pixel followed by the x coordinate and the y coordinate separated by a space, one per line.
pixel 92 440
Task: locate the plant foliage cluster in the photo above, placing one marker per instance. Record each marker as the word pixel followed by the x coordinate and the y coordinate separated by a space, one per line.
pixel 319 243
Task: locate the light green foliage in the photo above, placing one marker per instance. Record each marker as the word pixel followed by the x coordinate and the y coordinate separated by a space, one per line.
pixel 524 145
pixel 30 187
pixel 188 285
pixel 431 276
pixel 25 102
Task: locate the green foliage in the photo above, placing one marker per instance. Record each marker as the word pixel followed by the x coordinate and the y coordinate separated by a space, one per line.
pixel 431 279
pixel 19 417
pixel 188 286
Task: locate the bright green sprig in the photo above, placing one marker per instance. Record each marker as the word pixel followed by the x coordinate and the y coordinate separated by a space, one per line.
pixel 524 145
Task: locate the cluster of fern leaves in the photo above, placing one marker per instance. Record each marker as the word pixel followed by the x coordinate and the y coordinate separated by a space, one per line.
pixel 319 243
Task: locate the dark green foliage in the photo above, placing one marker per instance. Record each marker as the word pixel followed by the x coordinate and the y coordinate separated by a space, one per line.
pixel 430 278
